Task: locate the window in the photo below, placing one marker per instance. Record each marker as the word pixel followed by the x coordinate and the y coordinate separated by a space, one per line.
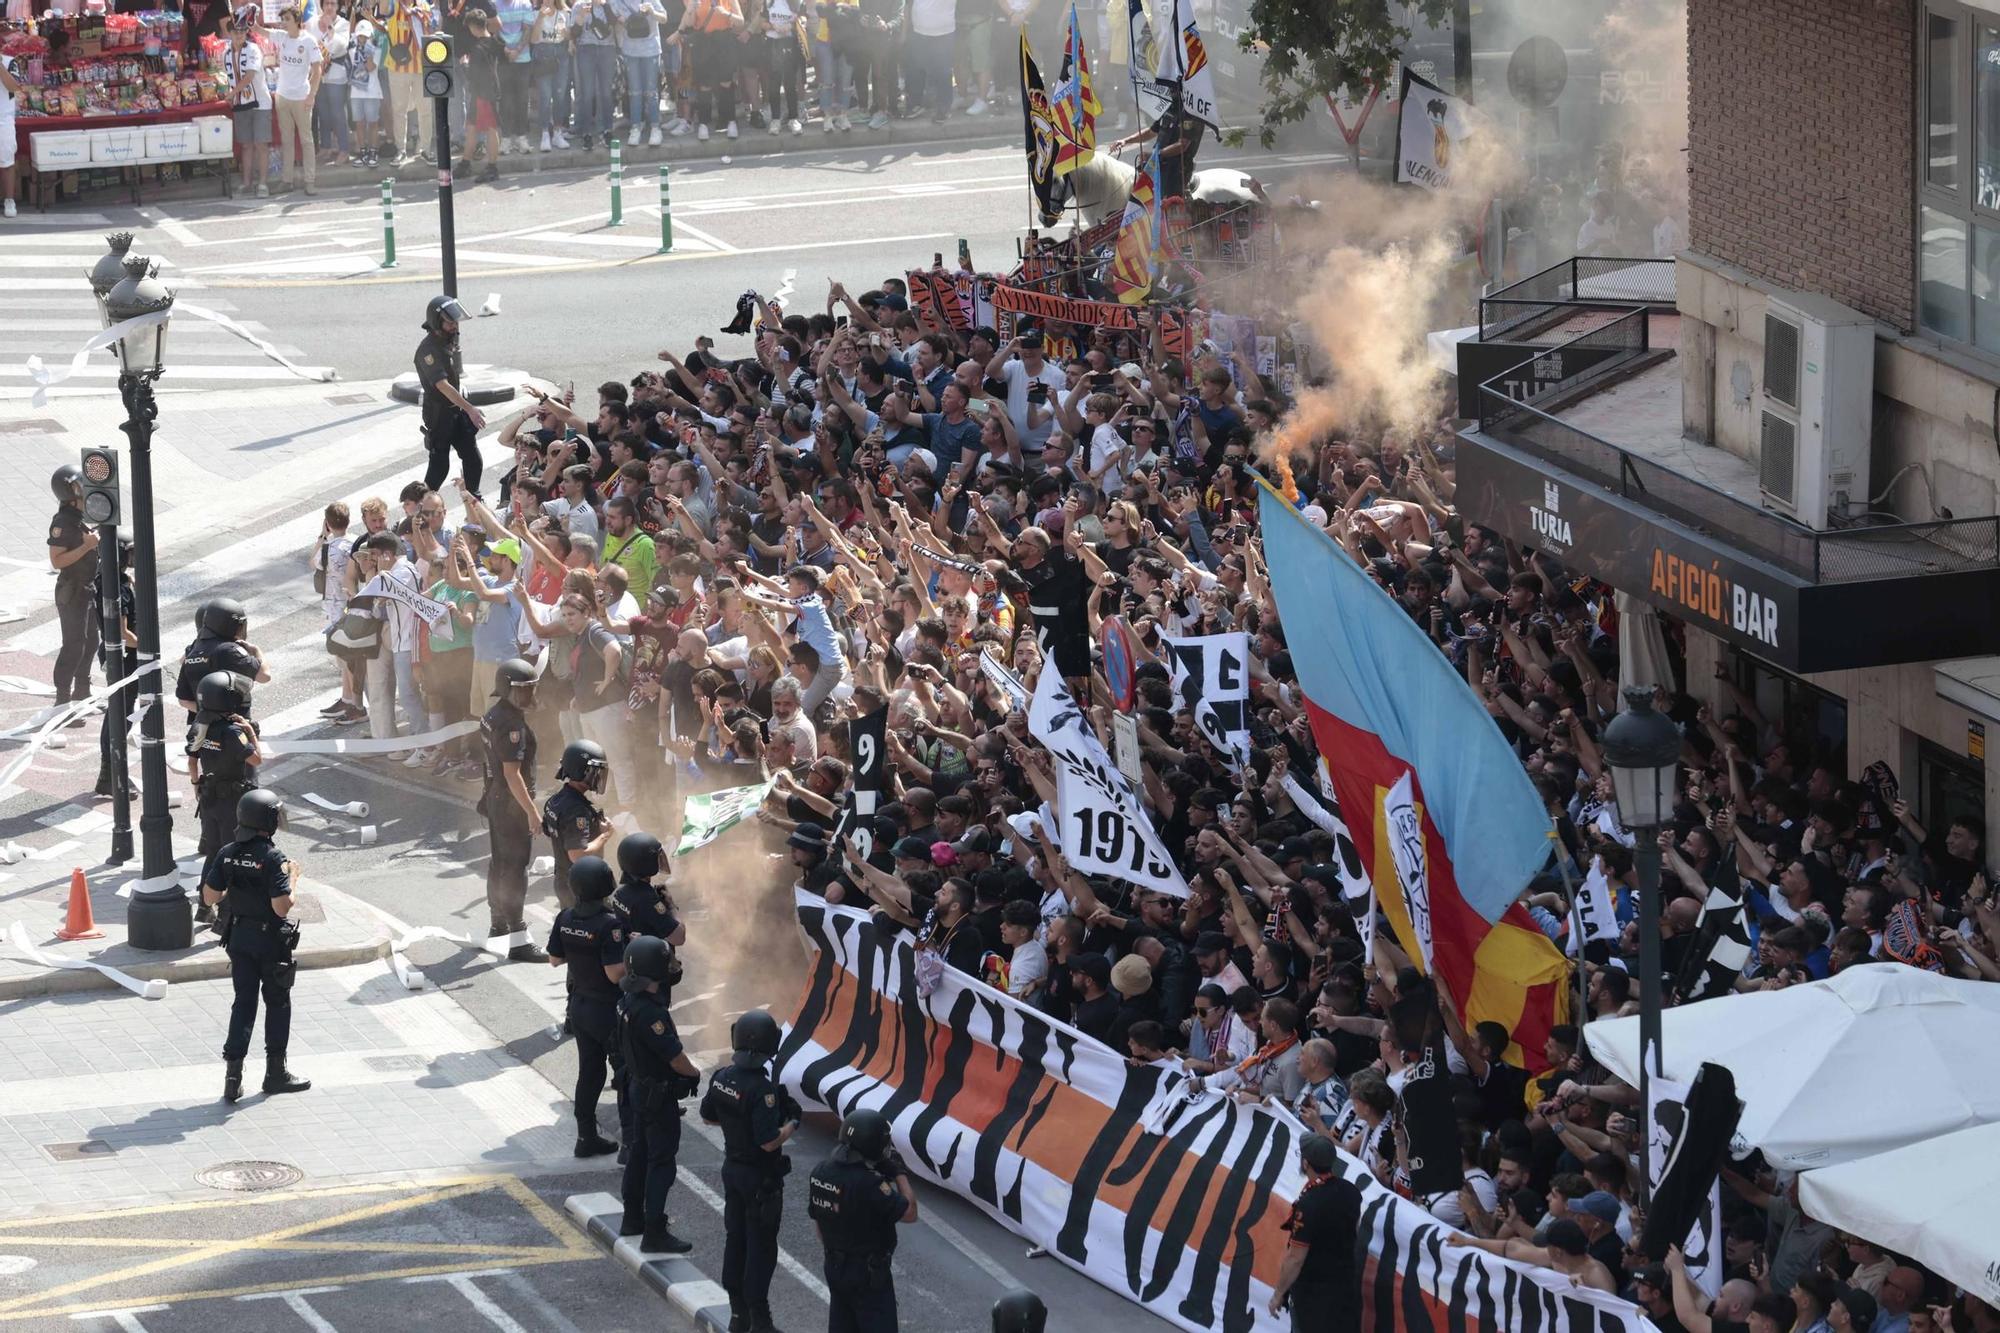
pixel 1958 180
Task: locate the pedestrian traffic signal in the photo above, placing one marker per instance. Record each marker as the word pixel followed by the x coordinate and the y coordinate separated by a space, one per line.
pixel 437 65
pixel 100 487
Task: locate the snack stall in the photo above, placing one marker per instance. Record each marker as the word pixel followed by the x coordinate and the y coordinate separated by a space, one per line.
pixel 114 92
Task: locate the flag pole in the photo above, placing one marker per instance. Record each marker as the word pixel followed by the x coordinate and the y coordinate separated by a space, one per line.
pixel 1575 922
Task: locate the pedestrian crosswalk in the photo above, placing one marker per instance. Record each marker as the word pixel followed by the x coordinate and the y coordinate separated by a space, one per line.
pixel 50 312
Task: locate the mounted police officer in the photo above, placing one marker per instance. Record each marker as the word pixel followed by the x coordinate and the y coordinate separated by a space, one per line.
pixel 253 883
pixel 658 1075
pixel 857 1197
pixel 576 827
pixel 589 938
pixel 218 646
pixel 73 556
pixel 451 422
pixel 758 1118
pixel 508 802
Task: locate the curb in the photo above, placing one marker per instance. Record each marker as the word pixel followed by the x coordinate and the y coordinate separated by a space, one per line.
pixel 672 1276
pixel 208 967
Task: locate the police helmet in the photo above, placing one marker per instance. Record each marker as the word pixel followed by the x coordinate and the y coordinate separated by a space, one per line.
pixel 222 693
pixel 259 810
pixel 865 1134
pixel 590 879
pixel 1019 1312
pixel 754 1031
pixel 647 955
pixel 640 856
pixel 441 309
pixel 124 546
pixel 514 673
pixel 66 482
pixel 223 618
pixel 583 761
pixel 201 619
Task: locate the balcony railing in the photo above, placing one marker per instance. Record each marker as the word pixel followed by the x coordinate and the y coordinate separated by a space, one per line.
pixel 1586 282
pixel 1842 555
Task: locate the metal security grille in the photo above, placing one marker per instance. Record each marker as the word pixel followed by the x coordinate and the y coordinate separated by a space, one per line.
pixel 1781 362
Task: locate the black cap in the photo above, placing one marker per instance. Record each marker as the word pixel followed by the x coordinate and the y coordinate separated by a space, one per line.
pixel 808 837
pixel 1565 1235
pixel 912 849
pixel 1326 874
pixel 1093 965
pixel 975 839
pixel 1211 941
pixel 1294 849
pixel 1319 1153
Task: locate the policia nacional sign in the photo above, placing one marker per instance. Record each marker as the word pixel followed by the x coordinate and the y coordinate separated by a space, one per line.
pixel 1788 620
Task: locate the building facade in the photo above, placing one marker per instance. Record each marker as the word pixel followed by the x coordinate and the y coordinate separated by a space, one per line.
pixel 1843 161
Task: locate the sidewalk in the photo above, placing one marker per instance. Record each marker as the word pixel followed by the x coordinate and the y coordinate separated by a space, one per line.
pixel 760 143
pixel 111 1099
pixel 337 930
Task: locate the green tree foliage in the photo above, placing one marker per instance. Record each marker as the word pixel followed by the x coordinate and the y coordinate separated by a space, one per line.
pixel 1315 47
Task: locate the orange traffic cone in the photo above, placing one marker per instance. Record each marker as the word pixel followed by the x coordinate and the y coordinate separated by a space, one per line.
pixel 81 925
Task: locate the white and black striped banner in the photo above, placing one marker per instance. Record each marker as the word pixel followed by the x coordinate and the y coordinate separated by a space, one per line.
pixel 1212 678
pixel 1721 949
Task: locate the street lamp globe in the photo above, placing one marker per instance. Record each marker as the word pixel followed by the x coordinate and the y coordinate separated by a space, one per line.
pixel 141 352
pixel 1642 749
pixel 109 270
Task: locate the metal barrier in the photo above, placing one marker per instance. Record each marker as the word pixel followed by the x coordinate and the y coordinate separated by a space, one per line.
pixel 1841 555
pixel 1580 282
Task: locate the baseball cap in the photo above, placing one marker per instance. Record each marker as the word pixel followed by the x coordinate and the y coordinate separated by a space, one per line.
pixel 942 853
pixel 912 849
pixel 1599 1204
pixel 976 839
pixel 1294 849
pixel 1565 1235
pixel 507 546
pixel 1093 965
pixel 1211 941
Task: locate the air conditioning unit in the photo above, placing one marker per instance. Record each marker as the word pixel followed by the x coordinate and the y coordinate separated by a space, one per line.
pixel 1814 424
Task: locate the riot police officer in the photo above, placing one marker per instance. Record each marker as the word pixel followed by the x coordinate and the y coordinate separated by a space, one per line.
pixel 508 803
pixel 576 827
pixel 658 1075
pixel 856 1198
pixel 758 1118
pixel 221 749
pixel 589 938
pixel 73 556
pixel 1019 1312
pixel 451 422
pixel 110 778
pixel 218 647
pixel 648 907
pixel 253 884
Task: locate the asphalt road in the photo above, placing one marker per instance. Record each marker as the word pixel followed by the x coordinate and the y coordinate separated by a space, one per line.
pixel 580 299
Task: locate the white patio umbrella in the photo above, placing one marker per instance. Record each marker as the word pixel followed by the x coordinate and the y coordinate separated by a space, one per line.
pixel 1866 1061
pixel 1937 1201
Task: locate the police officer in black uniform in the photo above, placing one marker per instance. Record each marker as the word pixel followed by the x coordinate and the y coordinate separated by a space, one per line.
pixel 857 1197
pixel 116 711
pixel 508 803
pixel 218 647
pixel 253 884
pixel 222 751
pixel 757 1117
pixel 73 556
pixel 576 827
pixel 647 905
pixel 658 1075
pixel 589 938
pixel 451 422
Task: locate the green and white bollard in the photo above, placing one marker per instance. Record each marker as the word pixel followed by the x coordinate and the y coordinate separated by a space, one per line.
pixel 666 214
pixel 617 183
pixel 389 223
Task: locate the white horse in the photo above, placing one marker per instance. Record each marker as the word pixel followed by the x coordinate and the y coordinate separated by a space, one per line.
pixel 1102 185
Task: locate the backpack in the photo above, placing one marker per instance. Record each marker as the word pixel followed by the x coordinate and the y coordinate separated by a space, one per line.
pixel 638 27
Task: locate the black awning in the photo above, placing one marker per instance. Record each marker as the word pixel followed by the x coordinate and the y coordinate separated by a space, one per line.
pixel 1801 623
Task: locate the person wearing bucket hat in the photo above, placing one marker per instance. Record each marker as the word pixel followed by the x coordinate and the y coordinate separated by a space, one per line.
pixel 1138 1002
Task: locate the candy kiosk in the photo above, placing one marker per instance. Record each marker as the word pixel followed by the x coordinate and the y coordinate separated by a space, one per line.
pixel 113 98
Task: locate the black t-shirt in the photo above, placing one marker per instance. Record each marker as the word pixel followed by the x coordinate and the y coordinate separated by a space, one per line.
pixel 1352 1051
pixel 1502 1097
pixel 1096 1017
pixel 1057 591
pixel 1325 1218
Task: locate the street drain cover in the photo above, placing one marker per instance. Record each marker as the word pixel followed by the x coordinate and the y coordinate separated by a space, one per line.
pixel 77 1152
pixel 249 1177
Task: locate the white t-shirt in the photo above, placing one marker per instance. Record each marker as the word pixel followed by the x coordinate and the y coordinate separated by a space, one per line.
pixel 334 44
pixel 1030 965
pixel 932 18
pixel 9 101
pixel 1018 379
pixel 1105 442
pixel 296 58
pixel 253 70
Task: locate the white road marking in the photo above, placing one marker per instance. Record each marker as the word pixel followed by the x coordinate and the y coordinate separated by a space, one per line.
pixel 465 1286
pixel 127 1320
pixel 173 227
pixel 683 229
pixel 531 1298
pixel 612 240
pixel 314 1320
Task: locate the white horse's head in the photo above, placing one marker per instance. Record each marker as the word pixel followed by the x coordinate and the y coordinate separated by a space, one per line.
pixel 1101 186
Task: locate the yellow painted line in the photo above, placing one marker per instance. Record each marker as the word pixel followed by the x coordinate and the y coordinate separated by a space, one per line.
pixel 318 1280
pixel 223 1248
pixel 552 1221
pixel 293 1246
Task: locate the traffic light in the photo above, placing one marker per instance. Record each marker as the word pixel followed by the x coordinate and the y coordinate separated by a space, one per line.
pixel 100 487
pixel 437 65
